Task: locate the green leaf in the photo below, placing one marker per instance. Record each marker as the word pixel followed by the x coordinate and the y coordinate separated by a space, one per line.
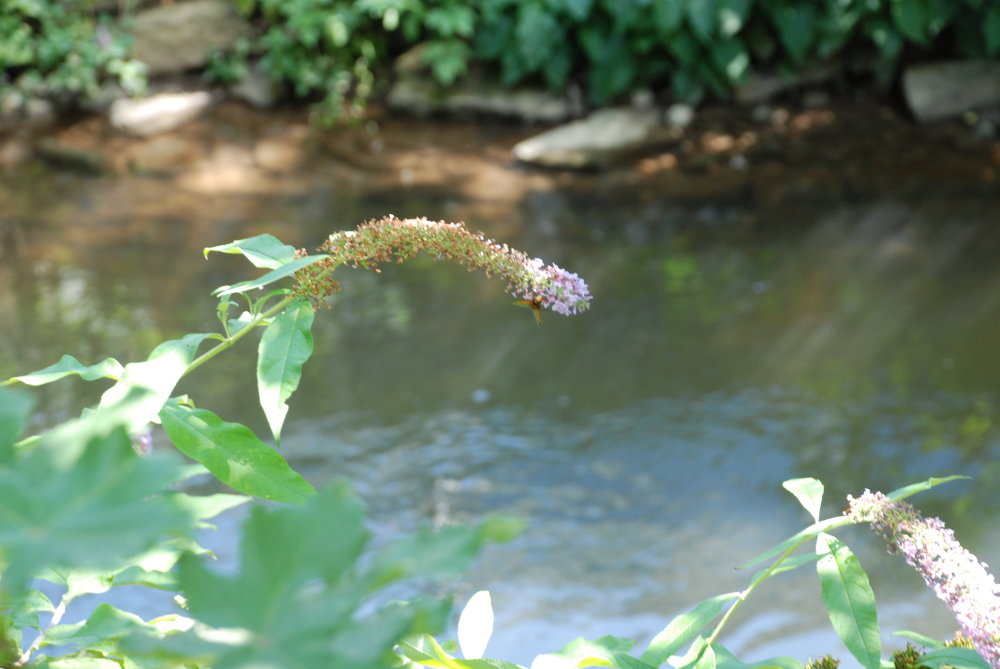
pixel 158 375
pixel 798 539
pixel 959 658
pixel 286 345
pixel 797 25
pixel 109 368
pixel 668 15
pixel 684 628
pixel 204 507
pixel 234 454
pixel 991 30
pixel 914 488
pixel 702 17
pixel 731 58
pixel 733 16
pixel 578 10
pixel 294 602
pixel 265 251
pixel 105 625
pixel 587 653
pixel 925 641
pixel 726 660
pixel 82 497
pixel 270 277
pixel 849 600
pixel 809 492
pixel 912 17
pixel 788 564
pixel 443 553
pixel 15 409
pixel 475 625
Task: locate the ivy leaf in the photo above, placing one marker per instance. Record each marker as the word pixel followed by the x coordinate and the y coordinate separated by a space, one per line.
pixel 109 368
pixel 849 600
pixel 265 251
pixel 234 454
pixel 82 497
pixel 286 345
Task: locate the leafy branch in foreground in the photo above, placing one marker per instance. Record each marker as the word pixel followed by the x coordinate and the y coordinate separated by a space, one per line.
pixel 960 579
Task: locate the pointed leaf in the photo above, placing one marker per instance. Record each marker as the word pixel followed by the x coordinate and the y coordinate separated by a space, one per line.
pixel 959 658
pixel 234 454
pixel 109 368
pixel 923 640
pixel 726 660
pixel 849 600
pixel 788 564
pixel 809 492
pixel 683 628
pixel 265 251
pixel 475 625
pixel 159 374
pixel 798 538
pixel 914 488
pixel 15 409
pixel 286 345
pixel 270 277
pixel 104 625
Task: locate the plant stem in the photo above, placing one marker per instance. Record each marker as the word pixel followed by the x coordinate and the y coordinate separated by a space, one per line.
pixel 767 574
pixel 228 343
pixel 57 615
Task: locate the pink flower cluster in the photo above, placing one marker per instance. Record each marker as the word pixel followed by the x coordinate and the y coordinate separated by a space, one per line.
pixel 958 578
pixel 391 239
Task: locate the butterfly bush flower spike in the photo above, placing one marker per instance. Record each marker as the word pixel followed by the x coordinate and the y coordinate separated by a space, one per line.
pixel 957 577
pixel 392 239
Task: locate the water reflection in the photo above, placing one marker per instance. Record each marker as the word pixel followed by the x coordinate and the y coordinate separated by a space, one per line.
pixel 644 441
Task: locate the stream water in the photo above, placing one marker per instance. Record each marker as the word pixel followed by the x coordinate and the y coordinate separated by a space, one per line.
pixel 644 442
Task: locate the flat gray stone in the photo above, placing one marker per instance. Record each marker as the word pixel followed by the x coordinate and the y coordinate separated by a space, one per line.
pixel 180 36
pixel 421 95
pixel 159 113
pixel 603 137
pixel 936 91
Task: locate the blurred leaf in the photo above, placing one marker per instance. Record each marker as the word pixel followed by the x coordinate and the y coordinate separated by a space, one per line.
pixel 797 26
pixel 912 18
pixel 731 58
pixel 15 409
pixel 536 34
pixel 703 16
pixel 234 454
pixel 109 368
pixel 475 625
pixel 809 492
pixel 586 653
pixel 270 277
pixel 959 658
pixel 788 564
pixel 668 15
pixel 733 15
pixel 82 497
pixel 103 627
pixel 578 10
pixel 849 600
pixel 991 30
pixel 263 251
pixel 294 602
pixel 448 58
pixel 285 346
pixel 925 641
pixel 158 375
pixel 684 628
pixel 451 20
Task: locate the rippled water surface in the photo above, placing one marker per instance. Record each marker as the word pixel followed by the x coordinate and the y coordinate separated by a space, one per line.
pixel 645 441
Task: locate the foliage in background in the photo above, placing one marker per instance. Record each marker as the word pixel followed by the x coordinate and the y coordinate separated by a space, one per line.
pixel 693 48
pixel 60 52
pixel 339 52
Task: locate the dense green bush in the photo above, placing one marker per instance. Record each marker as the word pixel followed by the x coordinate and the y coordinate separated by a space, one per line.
pixel 61 51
